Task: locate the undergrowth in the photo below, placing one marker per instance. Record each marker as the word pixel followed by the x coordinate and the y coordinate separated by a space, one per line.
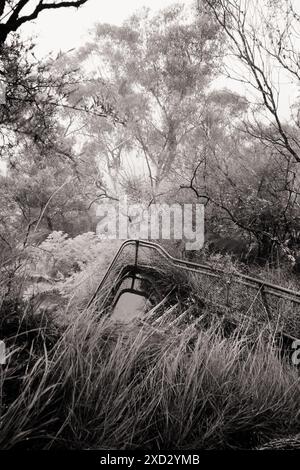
pixel 103 385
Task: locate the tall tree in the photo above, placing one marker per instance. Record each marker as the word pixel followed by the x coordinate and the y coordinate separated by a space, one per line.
pixel 158 68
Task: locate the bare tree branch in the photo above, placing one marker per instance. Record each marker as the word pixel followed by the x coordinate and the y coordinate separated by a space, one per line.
pixel 251 52
pixel 15 20
pixel 2 6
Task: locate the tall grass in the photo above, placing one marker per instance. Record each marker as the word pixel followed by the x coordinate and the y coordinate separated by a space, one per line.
pixel 78 380
pixel 104 385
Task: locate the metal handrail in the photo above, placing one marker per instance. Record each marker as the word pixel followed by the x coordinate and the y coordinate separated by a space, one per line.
pixel 267 287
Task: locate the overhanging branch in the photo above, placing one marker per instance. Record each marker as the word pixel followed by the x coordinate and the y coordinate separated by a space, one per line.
pixel 15 20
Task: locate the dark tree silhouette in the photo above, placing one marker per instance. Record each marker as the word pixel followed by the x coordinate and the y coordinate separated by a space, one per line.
pixel 12 17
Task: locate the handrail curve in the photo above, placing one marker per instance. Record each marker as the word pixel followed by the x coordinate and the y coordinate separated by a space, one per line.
pixel 268 287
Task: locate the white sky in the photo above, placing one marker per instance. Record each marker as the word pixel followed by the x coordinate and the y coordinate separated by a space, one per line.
pixel 66 28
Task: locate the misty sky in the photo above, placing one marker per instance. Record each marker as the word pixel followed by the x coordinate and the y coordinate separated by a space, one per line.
pixel 67 28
